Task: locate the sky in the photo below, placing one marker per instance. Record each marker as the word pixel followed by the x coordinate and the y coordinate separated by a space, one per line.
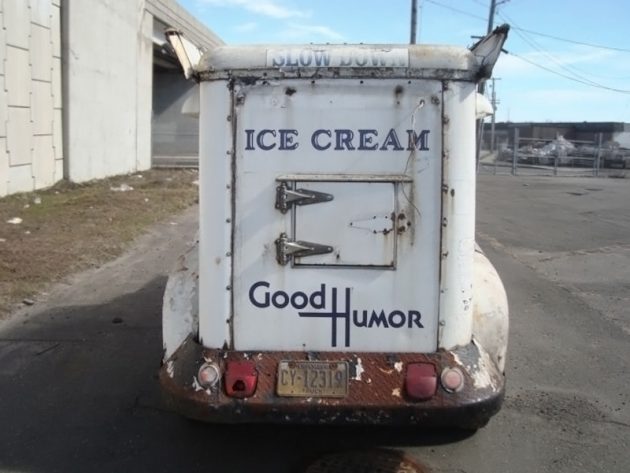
pixel 583 74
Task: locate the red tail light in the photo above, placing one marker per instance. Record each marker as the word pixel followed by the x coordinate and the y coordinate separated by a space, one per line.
pixel 240 379
pixel 420 381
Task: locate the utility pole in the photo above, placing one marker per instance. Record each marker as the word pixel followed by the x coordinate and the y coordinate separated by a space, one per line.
pixel 493 7
pixel 482 86
pixel 494 103
pixel 414 21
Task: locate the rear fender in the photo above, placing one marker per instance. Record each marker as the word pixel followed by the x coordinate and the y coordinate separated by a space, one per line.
pixel 490 310
pixel 180 309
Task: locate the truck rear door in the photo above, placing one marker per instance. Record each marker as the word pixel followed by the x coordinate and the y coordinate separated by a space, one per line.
pixel 337 210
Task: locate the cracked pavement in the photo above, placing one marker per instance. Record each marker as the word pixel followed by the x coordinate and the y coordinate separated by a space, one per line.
pixel 78 387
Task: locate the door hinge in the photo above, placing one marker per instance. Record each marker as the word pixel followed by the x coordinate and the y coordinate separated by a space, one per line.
pixel 286 197
pixel 287 249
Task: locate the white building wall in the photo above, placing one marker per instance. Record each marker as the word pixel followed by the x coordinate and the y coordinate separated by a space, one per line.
pixel 108 86
pixel 31 154
pixel 76 102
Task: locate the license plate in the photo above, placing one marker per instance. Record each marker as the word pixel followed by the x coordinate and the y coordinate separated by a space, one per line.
pixel 312 379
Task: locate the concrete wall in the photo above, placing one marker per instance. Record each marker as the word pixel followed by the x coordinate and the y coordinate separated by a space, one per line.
pixel 89 65
pixel 31 155
pixel 108 74
pixel 174 134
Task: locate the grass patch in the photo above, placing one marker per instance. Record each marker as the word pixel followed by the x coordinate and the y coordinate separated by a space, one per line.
pixel 71 227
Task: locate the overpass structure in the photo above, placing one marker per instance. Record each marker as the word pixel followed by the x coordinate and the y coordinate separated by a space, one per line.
pixel 91 89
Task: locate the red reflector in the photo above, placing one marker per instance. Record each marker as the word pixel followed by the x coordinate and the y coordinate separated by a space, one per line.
pixel 421 381
pixel 241 378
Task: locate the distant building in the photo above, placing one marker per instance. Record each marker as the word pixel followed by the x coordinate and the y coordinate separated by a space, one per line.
pixel 579 131
pixel 90 89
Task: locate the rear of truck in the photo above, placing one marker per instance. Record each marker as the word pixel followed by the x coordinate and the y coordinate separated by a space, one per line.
pixel 336 262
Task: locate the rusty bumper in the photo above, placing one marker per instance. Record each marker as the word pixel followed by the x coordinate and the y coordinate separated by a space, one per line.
pixel 376 389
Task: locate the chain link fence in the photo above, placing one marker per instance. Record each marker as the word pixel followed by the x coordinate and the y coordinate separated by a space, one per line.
pixel 556 157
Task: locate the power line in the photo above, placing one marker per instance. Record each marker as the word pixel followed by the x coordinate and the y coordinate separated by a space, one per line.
pixel 463 12
pixel 566 67
pixel 538 33
pixel 573 78
pixel 582 43
pixel 575 73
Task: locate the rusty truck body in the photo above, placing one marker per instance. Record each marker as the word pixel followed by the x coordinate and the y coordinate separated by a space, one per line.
pixel 336 278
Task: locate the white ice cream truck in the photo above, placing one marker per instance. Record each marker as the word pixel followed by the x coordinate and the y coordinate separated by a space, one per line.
pixel 336 278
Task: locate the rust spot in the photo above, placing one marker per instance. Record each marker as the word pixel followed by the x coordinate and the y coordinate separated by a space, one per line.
pixel 217 261
pixel 398 90
pixel 401 216
pixel 452 192
pixel 290 91
pixel 401 229
pixel 435 100
pixel 386 231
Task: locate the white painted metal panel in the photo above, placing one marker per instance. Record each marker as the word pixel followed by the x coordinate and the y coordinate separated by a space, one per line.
pixel 215 229
pixel 290 308
pixel 358 224
pixel 458 233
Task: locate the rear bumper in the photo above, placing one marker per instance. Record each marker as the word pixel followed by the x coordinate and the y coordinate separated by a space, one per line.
pixel 376 391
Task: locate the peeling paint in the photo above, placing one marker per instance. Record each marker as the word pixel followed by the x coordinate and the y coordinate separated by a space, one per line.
pixel 196 386
pixel 398 366
pixel 170 368
pixel 481 372
pixel 359 370
pixel 396 392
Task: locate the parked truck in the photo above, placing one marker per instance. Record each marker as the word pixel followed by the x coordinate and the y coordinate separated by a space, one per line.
pixel 336 277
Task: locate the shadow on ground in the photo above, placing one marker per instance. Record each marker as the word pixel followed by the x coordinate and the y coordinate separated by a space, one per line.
pixel 79 392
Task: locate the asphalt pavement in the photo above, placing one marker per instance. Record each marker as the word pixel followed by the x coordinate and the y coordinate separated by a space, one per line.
pixel 79 392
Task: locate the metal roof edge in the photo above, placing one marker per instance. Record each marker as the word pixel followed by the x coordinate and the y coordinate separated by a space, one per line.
pixel 255 57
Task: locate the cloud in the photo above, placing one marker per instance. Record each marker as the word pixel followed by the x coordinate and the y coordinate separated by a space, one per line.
pixel 246 27
pixel 310 33
pixel 269 8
